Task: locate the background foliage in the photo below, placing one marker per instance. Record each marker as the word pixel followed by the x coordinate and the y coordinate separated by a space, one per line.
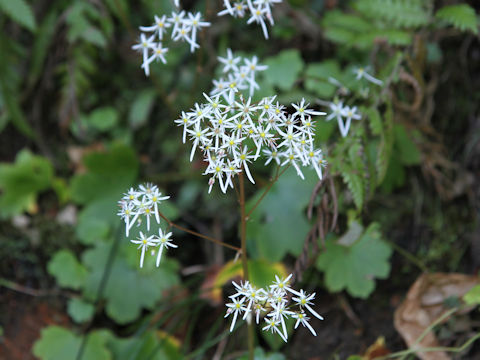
pixel 80 123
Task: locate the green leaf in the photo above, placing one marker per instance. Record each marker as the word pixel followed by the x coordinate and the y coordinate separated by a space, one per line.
pixel 274 229
pixel 317 78
pixel 79 310
pixel 20 12
pixel 407 150
pixel 472 297
pixel 104 118
pixel 14 111
pixel 128 289
pixel 141 108
pixel 375 121
pixel 66 269
pixel 386 145
pixel 57 343
pixel 260 354
pixel 460 16
pixel 355 267
pixel 355 185
pixel 261 273
pixel 401 13
pixel 283 69
pixel 22 181
pixel 109 174
pixel 41 46
pixel 150 345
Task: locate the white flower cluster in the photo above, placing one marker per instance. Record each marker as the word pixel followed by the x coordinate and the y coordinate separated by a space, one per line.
pixel 230 136
pixel 239 77
pixel 143 203
pixel 273 305
pixel 342 113
pixel 260 11
pixel 344 116
pixel 184 27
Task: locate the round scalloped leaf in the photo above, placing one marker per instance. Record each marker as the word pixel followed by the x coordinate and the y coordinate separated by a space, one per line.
pixel 66 269
pixel 57 343
pixel 79 310
pixel 354 267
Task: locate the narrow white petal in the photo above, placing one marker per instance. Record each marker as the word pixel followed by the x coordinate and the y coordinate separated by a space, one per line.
pixel 233 321
pixel 310 327
pixel 142 256
pixel 159 256
pixel 313 312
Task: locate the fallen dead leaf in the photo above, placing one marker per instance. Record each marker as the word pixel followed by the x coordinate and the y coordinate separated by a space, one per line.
pixel 376 350
pixel 424 304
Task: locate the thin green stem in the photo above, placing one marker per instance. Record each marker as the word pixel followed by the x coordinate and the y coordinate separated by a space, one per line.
pixel 409 256
pixel 265 192
pixel 243 238
pixel 432 349
pixel 430 328
pixel 218 242
pixel 243 225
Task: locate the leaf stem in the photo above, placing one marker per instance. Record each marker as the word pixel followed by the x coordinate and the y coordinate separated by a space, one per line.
pixel 243 238
pixel 206 237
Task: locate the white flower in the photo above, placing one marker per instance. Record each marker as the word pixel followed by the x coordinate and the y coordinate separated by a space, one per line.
pixel 361 73
pixel 283 284
pixel 144 45
pixel 257 15
pixel 195 23
pixel 182 29
pixel 144 242
pixel 305 300
pixel 280 313
pixel 229 61
pixel 126 212
pixel 158 54
pixel 236 308
pixel 303 319
pixel 155 198
pixel 163 240
pixel 274 302
pixel 349 113
pixel 159 27
pixel 302 110
pixel 272 325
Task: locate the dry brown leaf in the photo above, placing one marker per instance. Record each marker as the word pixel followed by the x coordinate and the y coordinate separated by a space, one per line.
pixel 424 304
pixel 377 349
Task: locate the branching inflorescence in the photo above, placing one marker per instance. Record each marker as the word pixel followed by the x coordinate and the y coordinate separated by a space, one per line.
pixel 260 11
pixel 344 114
pixel 183 26
pixel 143 203
pixel 273 305
pixel 231 131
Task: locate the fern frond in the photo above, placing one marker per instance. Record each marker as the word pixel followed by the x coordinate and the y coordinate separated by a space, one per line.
pixel 461 17
pixel 385 147
pixel 355 185
pixel 401 13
